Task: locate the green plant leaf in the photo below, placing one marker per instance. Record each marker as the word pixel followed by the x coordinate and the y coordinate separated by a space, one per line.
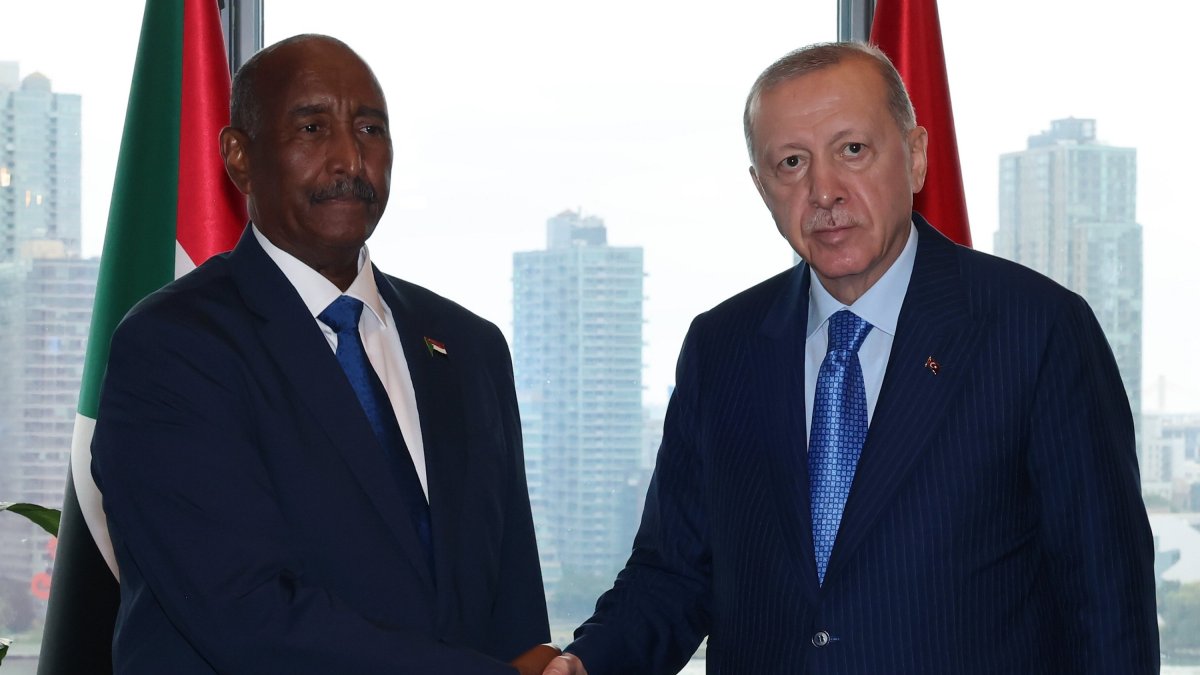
pixel 45 518
pixel 4 643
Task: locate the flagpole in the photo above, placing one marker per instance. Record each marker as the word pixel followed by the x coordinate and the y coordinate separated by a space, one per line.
pixel 854 20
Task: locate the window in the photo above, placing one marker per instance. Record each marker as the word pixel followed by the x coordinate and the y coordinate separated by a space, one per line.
pixel 623 121
pixel 1135 267
pixel 505 117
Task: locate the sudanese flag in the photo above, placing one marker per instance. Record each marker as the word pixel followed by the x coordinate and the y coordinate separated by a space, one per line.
pixel 172 207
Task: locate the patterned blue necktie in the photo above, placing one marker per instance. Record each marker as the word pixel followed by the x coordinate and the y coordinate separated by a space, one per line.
pixel 342 316
pixel 839 428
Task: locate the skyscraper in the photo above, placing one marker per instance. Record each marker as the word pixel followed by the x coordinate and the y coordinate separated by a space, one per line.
pixel 1067 210
pixel 39 163
pixel 46 293
pixel 577 351
pixel 45 310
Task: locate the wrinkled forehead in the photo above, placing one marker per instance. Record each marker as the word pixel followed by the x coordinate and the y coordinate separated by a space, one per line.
pixel 851 89
pixel 854 78
pixel 315 72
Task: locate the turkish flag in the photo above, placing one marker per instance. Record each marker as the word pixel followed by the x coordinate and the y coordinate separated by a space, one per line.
pixel 909 32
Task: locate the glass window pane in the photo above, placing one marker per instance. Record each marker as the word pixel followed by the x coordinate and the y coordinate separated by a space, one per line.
pixel 64 79
pixel 1076 151
pixel 505 116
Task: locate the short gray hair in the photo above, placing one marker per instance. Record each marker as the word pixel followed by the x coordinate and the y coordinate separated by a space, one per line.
pixel 822 55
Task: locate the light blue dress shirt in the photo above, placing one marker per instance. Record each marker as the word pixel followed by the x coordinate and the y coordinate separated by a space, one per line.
pixel 880 306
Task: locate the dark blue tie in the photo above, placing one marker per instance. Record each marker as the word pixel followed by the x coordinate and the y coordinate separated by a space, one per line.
pixel 839 428
pixel 342 316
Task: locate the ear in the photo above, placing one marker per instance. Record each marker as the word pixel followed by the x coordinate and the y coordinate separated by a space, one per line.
pixel 918 143
pixel 235 148
pixel 758 184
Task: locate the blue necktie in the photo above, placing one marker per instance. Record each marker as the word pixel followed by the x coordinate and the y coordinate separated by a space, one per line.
pixel 839 428
pixel 342 316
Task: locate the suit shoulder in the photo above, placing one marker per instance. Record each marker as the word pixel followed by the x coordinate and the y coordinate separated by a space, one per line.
pixel 442 309
pixel 990 277
pixel 189 300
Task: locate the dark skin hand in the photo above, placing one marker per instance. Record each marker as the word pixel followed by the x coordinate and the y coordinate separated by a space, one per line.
pixel 534 661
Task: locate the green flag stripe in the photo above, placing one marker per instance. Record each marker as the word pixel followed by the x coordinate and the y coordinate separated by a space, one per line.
pixel 139 244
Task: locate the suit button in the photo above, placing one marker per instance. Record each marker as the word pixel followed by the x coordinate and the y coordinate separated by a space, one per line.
pixel 821 638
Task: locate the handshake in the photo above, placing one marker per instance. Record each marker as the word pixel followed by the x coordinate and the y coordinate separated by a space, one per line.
pixel 548 660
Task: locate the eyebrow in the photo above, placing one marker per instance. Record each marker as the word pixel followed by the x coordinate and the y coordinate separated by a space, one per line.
pixel 323 108
pixel 841 135
pixel 368 111
pixel 310 109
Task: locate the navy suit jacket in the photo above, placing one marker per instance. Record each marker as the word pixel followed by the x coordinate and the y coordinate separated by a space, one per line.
pixel 256 521
pixel 995 523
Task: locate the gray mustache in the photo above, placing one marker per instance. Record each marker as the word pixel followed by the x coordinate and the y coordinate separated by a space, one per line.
pixel 823 219
pixel 356 187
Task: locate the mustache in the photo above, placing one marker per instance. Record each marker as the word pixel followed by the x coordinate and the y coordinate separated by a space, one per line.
pixel 826 219
pixel 345 187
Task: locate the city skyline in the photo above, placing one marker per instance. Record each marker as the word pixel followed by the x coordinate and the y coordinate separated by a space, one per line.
pixel 475 176
pixel 46 293
pixel 549 117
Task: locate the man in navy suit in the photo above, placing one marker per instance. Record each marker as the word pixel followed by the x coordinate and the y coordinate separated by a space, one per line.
pixel 269 516
pixel 993 522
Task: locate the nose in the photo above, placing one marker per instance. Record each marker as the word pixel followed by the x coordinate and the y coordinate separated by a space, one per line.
pixel 344 154
pixel 825 184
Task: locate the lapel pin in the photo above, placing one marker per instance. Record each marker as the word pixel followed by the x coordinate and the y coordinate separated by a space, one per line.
pixel 932 364
pixel 435 347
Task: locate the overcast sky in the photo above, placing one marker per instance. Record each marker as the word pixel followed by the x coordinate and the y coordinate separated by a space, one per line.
pixel 504 114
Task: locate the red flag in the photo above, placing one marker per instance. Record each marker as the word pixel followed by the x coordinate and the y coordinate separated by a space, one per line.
pixel 210 212
pixel 909 32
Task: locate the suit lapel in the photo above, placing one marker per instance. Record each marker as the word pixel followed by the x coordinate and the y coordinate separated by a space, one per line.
pixel 440 407
pixel 297 346
pixel 935 321
pixel 780 371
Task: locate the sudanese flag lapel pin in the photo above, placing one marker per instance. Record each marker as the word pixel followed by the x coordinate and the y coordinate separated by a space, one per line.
pixel 436 347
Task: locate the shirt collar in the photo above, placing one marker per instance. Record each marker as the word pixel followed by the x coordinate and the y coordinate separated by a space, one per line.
pixel 880 305
pixel 315 290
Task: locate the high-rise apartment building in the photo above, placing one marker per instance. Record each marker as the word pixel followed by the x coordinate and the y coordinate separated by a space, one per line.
pixel 39 163
pixel 577 352
pixel 45 311
pixel 1067 210
pixel 46 294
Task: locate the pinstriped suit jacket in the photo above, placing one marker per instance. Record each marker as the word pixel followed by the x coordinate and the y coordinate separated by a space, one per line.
pixel 995 523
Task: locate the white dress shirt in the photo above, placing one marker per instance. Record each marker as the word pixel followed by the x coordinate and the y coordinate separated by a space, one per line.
pixel 879 306
pixel 377 328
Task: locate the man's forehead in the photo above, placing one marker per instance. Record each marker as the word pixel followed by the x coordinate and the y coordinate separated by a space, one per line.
pixel 315 55
pixel 311 80
pixel 830 90
pixel 325 105
pixel 854 76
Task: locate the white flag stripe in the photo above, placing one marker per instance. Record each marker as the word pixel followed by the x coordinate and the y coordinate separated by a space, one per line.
pixel 91 502
pixel 183 261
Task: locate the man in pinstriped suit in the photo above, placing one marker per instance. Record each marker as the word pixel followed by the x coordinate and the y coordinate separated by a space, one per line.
pixel 994 523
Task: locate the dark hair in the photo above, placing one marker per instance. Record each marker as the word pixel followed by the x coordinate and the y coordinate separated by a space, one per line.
pixel 815 57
